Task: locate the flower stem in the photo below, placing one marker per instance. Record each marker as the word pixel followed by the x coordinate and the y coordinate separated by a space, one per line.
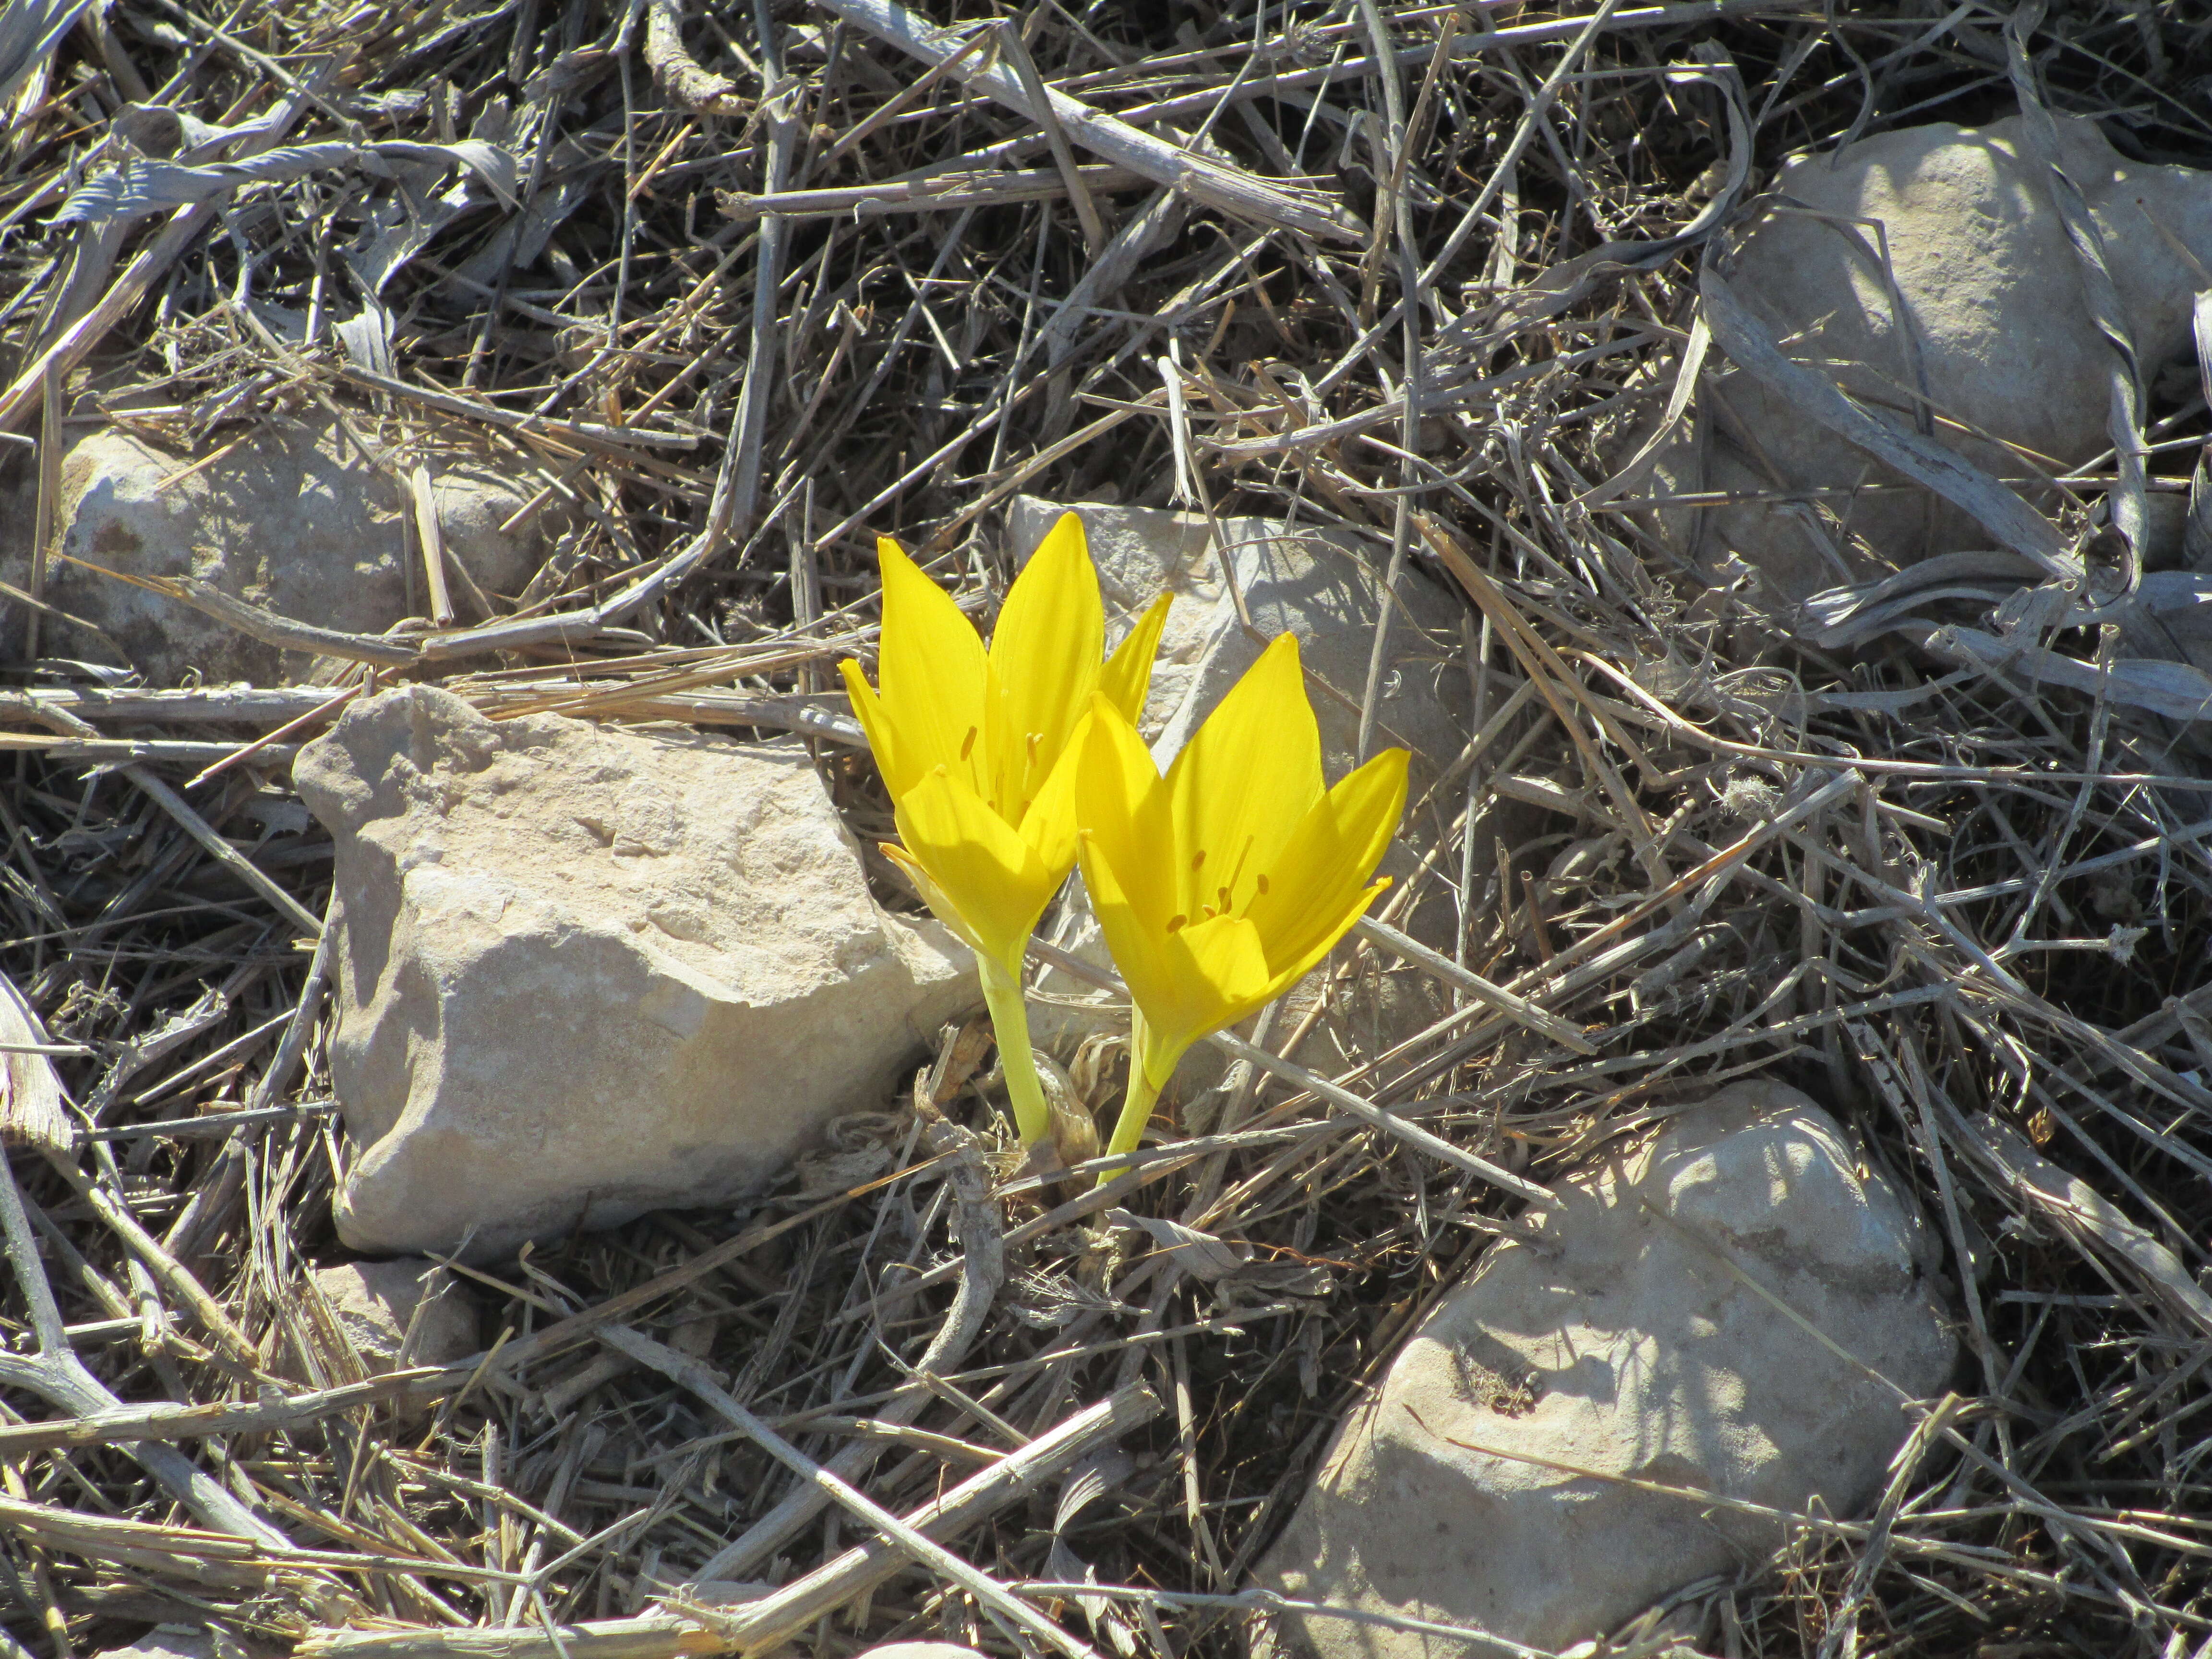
pixel 1010 1025
pixel 1136 1111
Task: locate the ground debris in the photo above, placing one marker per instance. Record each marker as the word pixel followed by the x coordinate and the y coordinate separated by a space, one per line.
pixel 723 292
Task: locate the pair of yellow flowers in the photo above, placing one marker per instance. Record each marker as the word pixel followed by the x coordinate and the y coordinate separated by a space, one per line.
pixel 1217 887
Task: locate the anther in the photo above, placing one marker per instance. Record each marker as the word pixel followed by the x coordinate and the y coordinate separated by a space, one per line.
pixel 1263 884
pixel 1175 923
pixel 968 744
pixel 1197 858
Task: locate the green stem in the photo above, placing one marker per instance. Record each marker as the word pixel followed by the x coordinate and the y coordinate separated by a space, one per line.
pixel 1144 1094
pixel 1010 1025
pixel 1136 1111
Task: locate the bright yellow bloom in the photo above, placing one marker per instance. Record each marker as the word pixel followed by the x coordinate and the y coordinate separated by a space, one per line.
pixel 971 743
pixel 1220 885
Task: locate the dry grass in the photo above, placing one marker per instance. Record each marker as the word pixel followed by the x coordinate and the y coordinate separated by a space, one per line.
pixel 1963 911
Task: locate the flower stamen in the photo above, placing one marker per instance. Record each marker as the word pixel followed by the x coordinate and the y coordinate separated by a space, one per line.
pixel 1243 852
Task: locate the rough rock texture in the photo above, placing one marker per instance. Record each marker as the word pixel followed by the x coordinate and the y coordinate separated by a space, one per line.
pixel 586 972
pixel 168 1642
pixel 374 1302
pixel 1320 586
pixel 1620 1344
pixel 1992 292
pixel 292 519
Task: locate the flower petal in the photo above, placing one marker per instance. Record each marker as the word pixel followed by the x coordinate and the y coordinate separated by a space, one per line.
pixel 1290 970
pixel 933 896
pixel 978 866
pixel 1049 825
pixel 896 766
pixel 1123 807
pixel 1223 956
pixel 1044 666
pixel 1243 782
pixel 1185 986
pixel 931 671
pixel 1138 946
pixel 1128 678
pixel 1316 885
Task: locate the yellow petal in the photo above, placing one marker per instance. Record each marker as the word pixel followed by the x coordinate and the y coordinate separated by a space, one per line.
pixel 980 869
pixel 1123 807
pixel 1128 674
pixel 931 671
pixel 896 766
pixel 1241 783
pixel 1316 887
pixel 1224 957
pixel 1139 946
pixel 1049 825
pixel 1185 982
pixel 1176 990
pixel 933 896
pixel 1044 666
pixel 1289 971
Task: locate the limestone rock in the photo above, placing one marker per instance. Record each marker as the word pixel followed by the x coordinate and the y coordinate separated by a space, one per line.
pixel 1621 1345
pixel 374 1304
pixel 1320 586
pixel 170 1642
pixel 1313 583
pixel 1992 292
pixel 586 972
pixel 294 520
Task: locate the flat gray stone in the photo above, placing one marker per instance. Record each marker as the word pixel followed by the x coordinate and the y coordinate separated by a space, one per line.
pixel 294 520
pixel 374 1305
pixel 1991 293
pixel 1625 1344
pixel 587 971
pixel 1318 584
pixel 168 1642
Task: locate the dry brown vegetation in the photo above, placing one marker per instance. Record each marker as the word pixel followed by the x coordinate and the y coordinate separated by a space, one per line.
pixel 756 289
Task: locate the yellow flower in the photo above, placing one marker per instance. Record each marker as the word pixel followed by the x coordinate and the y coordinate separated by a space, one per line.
pixel 1219 887
pixel 971 743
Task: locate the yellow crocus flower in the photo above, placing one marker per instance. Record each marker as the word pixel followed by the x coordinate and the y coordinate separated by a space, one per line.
pixel 971 745
pixel 1220 885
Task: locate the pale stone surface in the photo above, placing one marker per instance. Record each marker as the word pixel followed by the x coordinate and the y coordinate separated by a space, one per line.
pixel 374 1302
pixel 168 1642
pixel 1622 1346
pixel 294 520
pixel 1320 587
pixel 1312 582
pixel 1991 290
pixel 586 972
